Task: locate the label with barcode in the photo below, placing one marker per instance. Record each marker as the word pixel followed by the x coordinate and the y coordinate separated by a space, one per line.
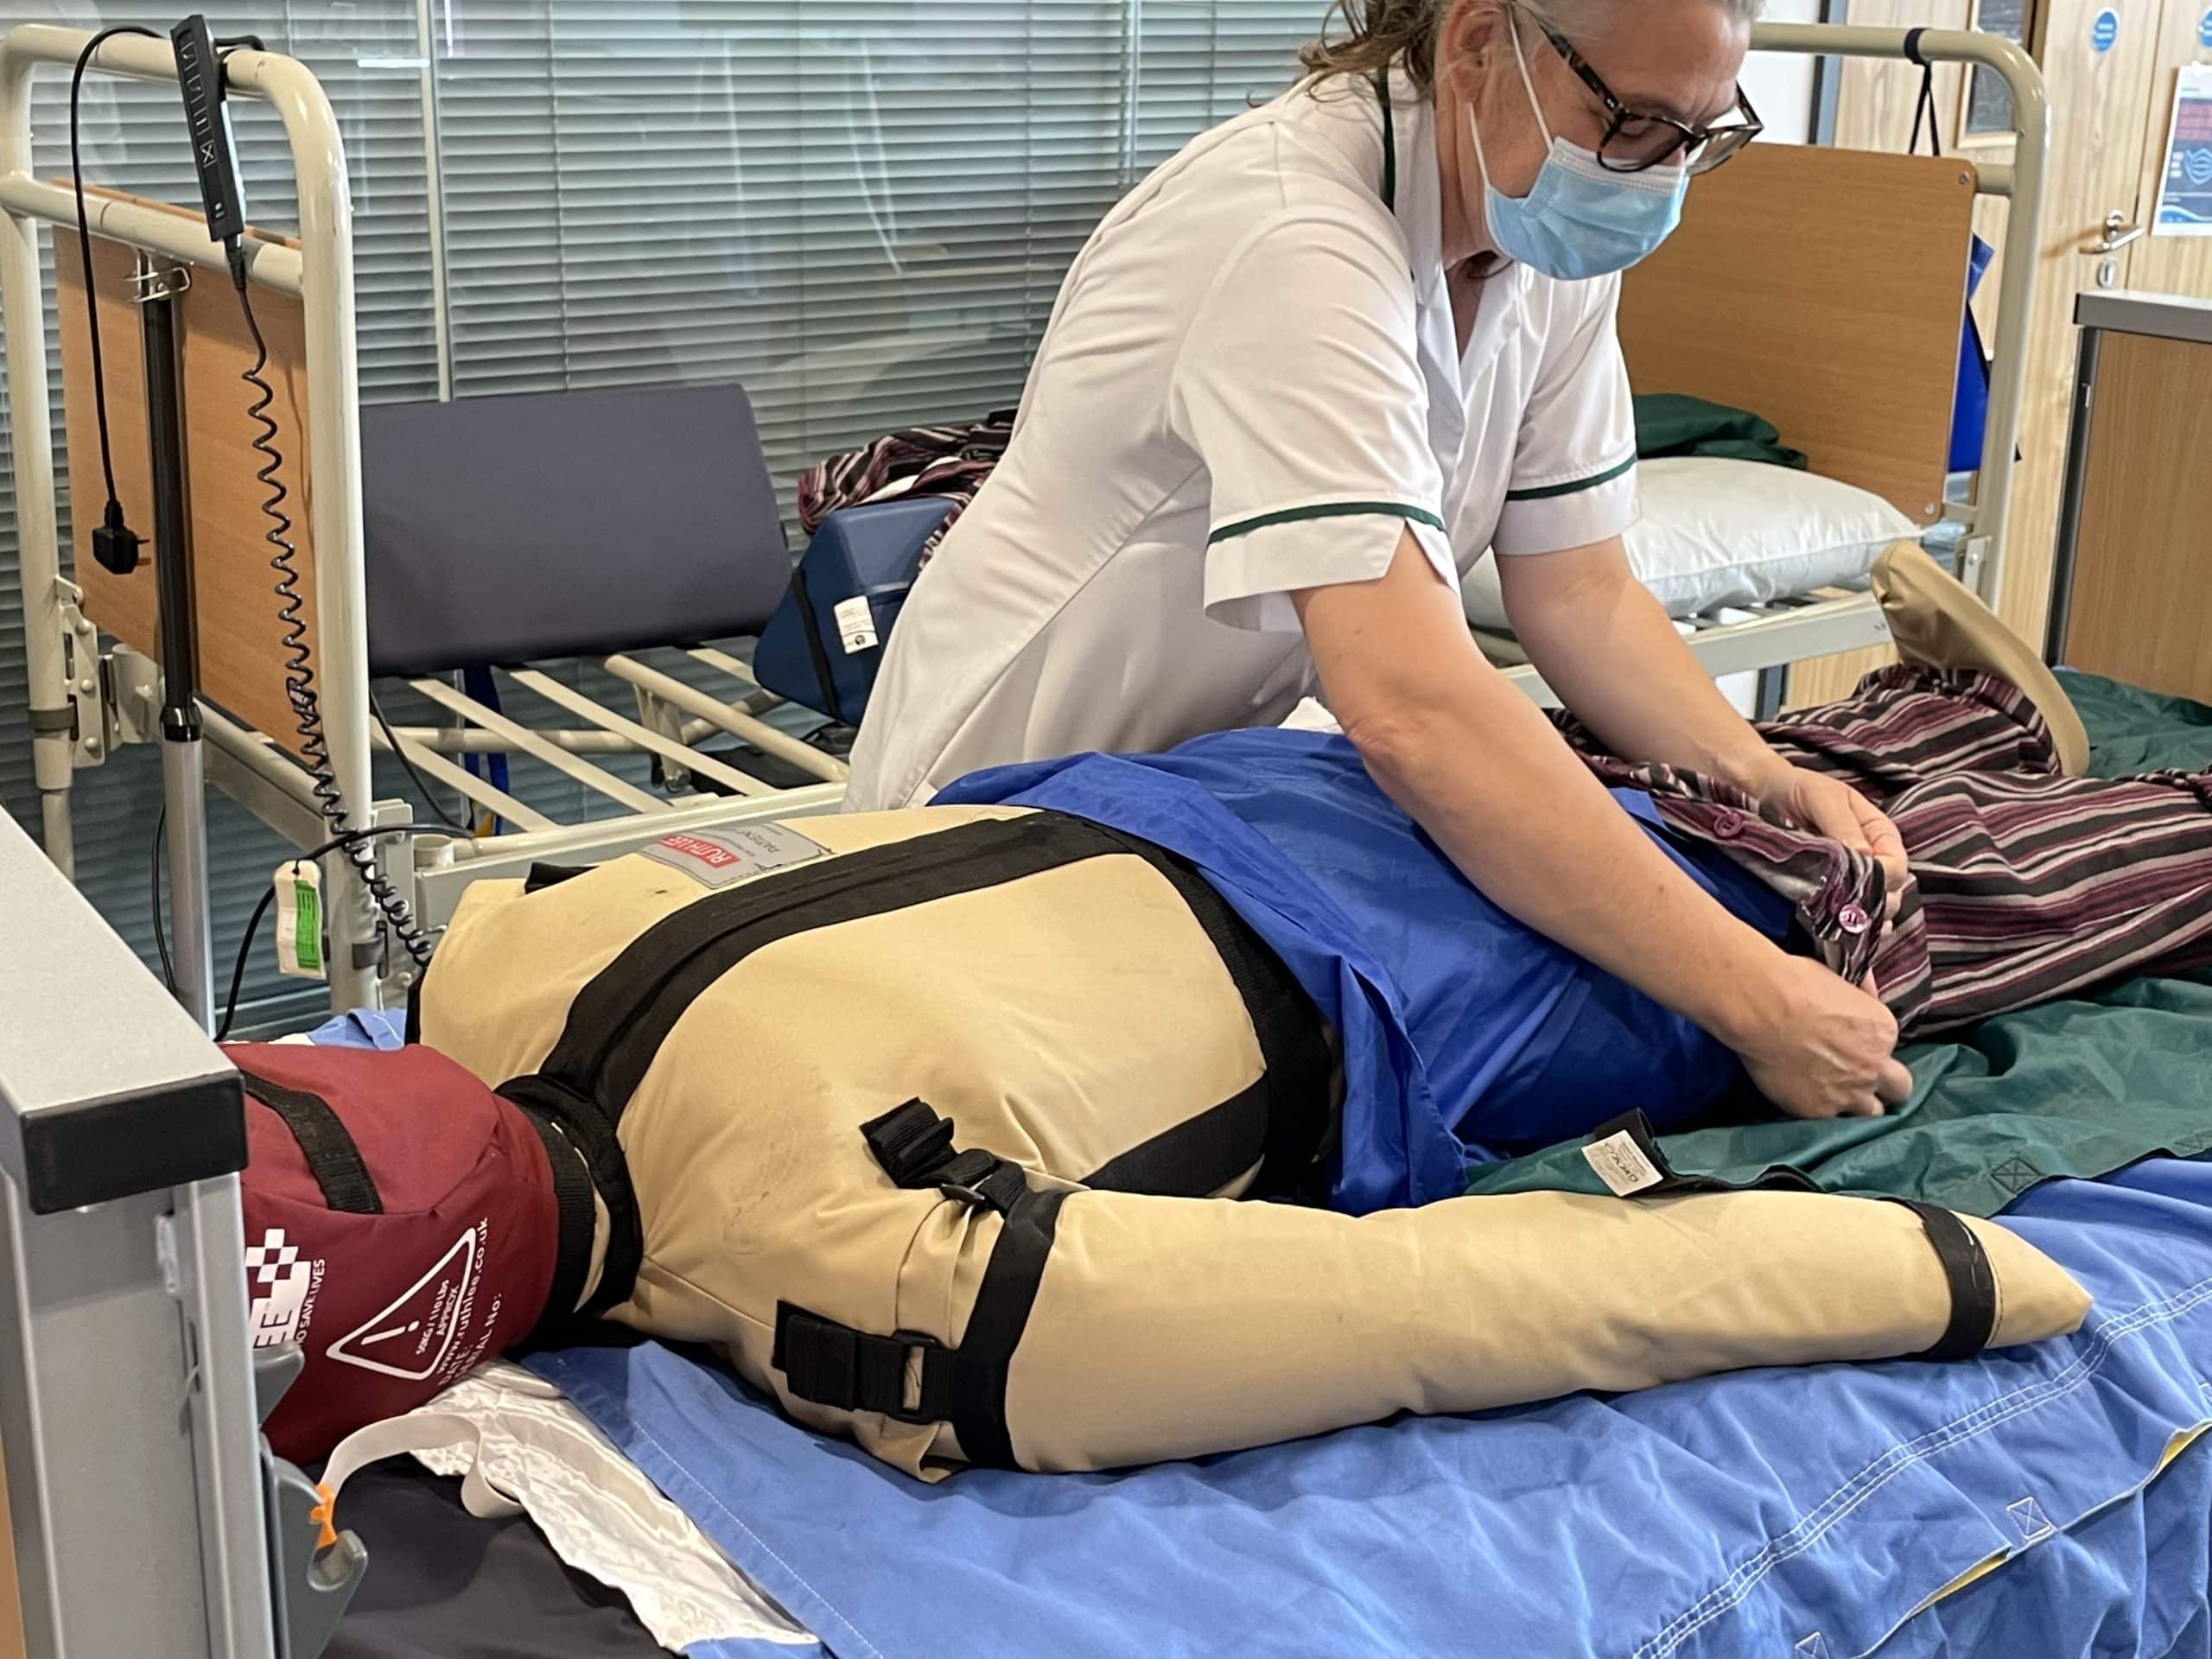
pixel 1621 1164
pixel 855 625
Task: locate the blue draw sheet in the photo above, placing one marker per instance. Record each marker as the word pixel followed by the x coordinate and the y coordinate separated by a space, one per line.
pixel 1803 1514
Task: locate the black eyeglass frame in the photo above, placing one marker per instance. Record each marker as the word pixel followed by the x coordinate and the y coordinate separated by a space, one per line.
pixel 1714 145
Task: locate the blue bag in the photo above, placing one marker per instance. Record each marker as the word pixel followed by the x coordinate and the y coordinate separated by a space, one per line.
pixel 823 645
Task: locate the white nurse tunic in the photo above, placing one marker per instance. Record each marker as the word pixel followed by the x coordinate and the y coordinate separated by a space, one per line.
pixel 1250 386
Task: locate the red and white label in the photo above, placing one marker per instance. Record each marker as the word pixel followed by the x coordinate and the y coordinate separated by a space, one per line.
pixel 724 857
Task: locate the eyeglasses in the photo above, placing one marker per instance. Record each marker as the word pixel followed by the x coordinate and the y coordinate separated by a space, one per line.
pixel 1636 140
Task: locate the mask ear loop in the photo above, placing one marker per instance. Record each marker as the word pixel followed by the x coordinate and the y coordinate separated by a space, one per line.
pixel 1527 82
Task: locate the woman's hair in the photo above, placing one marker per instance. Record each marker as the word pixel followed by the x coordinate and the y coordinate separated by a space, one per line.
pixel 1382 34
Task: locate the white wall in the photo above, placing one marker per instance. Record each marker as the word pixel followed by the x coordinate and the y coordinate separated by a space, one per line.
pixel 1780 84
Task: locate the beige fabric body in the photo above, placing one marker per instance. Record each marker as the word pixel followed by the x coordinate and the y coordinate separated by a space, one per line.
pixel 1059 1020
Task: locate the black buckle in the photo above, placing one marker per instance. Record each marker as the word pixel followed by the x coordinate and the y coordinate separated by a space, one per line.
pixel 826 1363
pixel 912 1143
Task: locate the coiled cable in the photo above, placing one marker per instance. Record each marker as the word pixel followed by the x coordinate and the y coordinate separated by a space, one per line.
pixel 299 662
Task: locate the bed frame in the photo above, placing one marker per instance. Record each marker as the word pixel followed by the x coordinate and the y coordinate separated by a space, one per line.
pixel 1845 270
pixel 1823 288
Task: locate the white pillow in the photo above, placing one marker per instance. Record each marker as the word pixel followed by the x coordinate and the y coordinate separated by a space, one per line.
pixel 1730 532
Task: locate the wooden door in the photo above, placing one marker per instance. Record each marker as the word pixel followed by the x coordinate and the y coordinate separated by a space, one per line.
pixel 2170 264
pixel 2097 58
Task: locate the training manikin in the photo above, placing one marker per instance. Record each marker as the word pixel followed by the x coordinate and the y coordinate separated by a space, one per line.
pixel 926 1120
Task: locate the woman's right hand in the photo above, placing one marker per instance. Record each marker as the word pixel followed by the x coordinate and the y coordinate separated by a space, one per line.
pixel 1819 1046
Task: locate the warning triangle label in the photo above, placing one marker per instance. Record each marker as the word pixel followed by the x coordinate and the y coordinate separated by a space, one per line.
pixel 411 1338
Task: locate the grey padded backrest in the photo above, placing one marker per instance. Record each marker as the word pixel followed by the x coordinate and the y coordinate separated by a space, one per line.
pixel 506 530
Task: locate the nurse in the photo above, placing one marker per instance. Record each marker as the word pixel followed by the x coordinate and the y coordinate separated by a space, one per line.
pixel 1298 382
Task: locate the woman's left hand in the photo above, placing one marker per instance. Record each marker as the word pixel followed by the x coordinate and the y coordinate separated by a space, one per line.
pixel 1828 806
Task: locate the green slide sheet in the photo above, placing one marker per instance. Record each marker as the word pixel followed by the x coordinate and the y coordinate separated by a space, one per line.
pixel 2076 1088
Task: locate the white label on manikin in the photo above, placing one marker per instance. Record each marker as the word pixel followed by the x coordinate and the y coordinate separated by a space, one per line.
pixel 1621 1164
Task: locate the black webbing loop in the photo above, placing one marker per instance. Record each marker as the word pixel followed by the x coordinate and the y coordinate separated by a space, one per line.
pixel 914 1147
pixel 331 1157
pixel 1973 1281
pixel 910 1143
pixel 577 1221
pixel 1924 112
pixel 586 1130
pixel 826 1363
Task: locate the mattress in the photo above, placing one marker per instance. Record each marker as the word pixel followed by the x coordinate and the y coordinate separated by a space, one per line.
pixel 1701 1520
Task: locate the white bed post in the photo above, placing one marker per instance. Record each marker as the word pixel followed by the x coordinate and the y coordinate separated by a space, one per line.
pixel 31 447
pixel 321 273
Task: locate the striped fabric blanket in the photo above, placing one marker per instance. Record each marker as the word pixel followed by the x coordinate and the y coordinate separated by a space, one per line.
pixel 952 461
pixel 2028 885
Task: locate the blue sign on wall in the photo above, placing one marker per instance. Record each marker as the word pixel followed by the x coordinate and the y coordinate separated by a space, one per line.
pixel 2105 31
pixel 2205 32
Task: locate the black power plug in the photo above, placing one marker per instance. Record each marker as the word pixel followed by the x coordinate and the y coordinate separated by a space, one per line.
pixel 115 544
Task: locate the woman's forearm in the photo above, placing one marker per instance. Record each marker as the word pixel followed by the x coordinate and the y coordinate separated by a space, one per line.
pixel 1606 646
pixel 1486 776
pixel 1474 763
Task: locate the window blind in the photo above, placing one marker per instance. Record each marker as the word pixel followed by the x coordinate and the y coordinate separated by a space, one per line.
pixel 862 210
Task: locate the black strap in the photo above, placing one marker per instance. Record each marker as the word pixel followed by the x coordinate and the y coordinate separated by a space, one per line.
pixel 1973 1281
pixel 617 1023
pixel 1924 112
pixel 826 1363
pixel 995 1328
pixel 332 1159
pixel 577 1222
pixel 1966 1264
pixel 815 650
pixel 1286 1119
pixel 914 1147
pixel 588 1132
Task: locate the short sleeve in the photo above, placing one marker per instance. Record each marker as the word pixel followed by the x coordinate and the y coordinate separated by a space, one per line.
pixel 1573 479
pixel 1299 388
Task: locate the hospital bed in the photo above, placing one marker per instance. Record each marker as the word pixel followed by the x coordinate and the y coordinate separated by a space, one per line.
pixel 1822 289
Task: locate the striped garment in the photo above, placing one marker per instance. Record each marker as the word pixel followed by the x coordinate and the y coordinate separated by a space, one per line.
pixel 2027 885
pixel 951 461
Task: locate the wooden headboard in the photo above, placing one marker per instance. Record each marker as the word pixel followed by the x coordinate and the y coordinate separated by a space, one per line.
pixel 1823 288
pixel 241 667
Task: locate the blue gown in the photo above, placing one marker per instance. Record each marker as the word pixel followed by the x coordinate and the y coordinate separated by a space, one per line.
pixel 1465 1033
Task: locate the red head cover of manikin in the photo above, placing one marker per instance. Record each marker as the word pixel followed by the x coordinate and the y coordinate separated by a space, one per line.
pixel 402 1224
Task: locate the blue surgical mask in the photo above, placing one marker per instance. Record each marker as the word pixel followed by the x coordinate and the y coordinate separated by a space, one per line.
pixel 1579 220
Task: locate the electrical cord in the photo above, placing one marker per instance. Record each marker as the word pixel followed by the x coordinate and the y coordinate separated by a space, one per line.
pixel 347 841
pixel 430 799
pixel 298 665
pixel 161 938
pixel 115 545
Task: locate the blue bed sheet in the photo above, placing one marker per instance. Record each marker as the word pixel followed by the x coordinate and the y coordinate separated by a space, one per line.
pixel 1806 1512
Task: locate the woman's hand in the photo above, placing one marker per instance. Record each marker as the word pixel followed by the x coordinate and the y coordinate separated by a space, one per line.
pixel 1828 806
pixel 1821 1047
